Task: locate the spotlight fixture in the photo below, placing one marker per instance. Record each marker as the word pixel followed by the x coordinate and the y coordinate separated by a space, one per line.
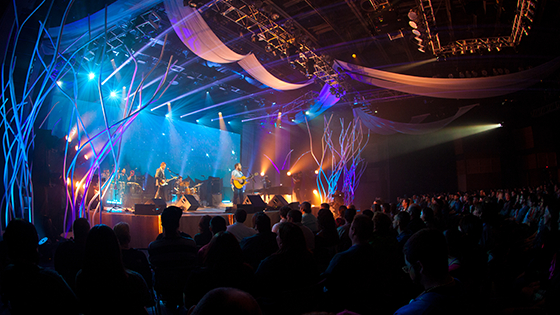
pixel 413 24
pixel 113 94
pixel 91 76
pixel 416 32
pixel 289 173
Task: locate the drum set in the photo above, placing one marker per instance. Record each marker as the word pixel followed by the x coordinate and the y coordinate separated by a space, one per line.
pixel 183 188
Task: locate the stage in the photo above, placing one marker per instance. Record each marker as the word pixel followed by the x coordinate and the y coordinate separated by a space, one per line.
pixel 145 228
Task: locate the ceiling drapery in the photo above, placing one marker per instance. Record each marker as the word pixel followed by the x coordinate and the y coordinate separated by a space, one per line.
pixel 386 127
pixel 458 88
pixel 195 33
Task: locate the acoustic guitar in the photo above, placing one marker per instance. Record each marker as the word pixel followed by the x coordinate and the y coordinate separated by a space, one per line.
pixel 242 181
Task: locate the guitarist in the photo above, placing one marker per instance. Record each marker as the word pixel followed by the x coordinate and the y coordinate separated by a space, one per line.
pixel 161 183
pixel 237 175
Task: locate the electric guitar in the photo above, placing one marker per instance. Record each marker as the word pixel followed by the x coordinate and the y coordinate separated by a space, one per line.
pixel 241 181
pixel 164 182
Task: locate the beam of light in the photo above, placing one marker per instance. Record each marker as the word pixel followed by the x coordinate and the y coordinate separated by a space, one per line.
pixel 225 103
pixel 91 75
pixel 113 94
pixel 277 170
pixel 159 106
pixel 442 136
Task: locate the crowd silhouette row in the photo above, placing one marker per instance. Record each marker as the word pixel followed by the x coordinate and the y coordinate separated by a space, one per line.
pixel 489 252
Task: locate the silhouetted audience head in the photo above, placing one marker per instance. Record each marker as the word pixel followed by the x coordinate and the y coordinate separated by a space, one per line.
pixel 290 238
pixel 80 227
pixel 305 207
pixel 122 230
pixel 381 223
pixel 218 224
pixel 227 301
pixel 415 211
pixel 223 250
pixel 294 216
pixel 240 215
pixel 102 252
pixel 427 215
pixel 204 224
pixel 326 206
pixel 283 212
pixel 368 213
pixel 361 229
pixel 350 214
pixel 342 210
pixel 170 219
pixel 325 219
pixel 471 227
pixel 262 222
pixel 425 254
pixel 22 241
pixel 401 220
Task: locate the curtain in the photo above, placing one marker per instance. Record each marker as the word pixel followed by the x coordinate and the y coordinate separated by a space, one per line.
pixel 387 127
pixel 458 88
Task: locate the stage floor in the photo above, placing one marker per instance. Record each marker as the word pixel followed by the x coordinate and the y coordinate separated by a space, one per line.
pixel 145 228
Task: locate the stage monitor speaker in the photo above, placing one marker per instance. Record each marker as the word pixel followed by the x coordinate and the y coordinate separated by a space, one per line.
pixel 255 201
pixel 277 202
pixel 187 202
pixel 149 209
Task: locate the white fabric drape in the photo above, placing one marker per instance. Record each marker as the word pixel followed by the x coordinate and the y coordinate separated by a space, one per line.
pixel 386 127
pixel 195 33
pixel 255 69
pixel 459 88
pixel 325 101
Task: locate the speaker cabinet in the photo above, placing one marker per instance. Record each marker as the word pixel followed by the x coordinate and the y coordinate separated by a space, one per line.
pixel 188 202
pixel 277 202
pixel 149 209
pixel 256 202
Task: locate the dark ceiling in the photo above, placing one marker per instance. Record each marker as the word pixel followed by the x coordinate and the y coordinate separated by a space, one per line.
pixel 372 33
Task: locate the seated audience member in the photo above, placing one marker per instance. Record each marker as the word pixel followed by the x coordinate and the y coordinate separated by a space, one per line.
pixel 326 240
pixel 204 235
pixel 69 255
pixel 416 223
pixel 340 220
pixel 345 241
pixel 288 274
pixel 400 224
pixel 178 213
pixel 342 289
pixel 308 219
pixel 25 287
pixel 261 245
pixel 172 257
pixel 104 285
pixel 132 258
pixel 427 215
pixel 239 229
pixel 283 213
pixel 223 267
pixel 425 257
pixel 368 213
pixel 217 224
pixel 294 216
pixel 226 301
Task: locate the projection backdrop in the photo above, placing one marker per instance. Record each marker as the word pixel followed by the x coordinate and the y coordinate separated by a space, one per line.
pixel 189 149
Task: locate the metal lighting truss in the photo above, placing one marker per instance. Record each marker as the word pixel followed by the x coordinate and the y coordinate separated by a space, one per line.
pixel 525 13
pixel 278 39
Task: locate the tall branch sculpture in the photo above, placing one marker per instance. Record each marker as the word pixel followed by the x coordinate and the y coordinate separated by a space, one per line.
pixel 344 157
pixel 19 113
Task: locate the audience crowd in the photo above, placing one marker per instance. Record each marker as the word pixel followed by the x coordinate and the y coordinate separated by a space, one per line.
pixel 484 252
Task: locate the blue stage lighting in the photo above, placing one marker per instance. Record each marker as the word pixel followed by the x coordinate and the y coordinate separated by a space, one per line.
pixel 91 75
pixel 113 94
